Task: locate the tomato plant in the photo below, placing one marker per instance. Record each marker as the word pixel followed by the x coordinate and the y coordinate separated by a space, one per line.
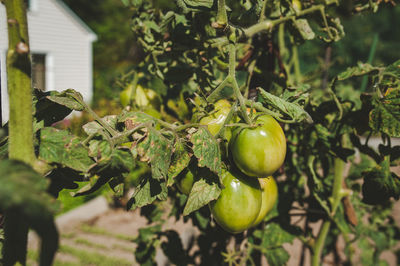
pixel 261 150
pixel 214 60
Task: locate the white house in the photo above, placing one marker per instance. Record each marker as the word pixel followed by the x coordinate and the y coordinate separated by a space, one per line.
pixel 61 48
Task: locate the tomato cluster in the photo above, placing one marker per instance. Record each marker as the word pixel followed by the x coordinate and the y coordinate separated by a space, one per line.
pixel 250 192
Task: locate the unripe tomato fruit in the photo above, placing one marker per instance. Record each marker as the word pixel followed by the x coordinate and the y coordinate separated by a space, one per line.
pixel 269 196
pixel 185 182
pixel 259 151
pixel 239 203
pixel 296 5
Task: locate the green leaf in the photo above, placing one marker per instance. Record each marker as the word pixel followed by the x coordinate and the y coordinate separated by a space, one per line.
pixel 180 160
pixel 194 5
pixel 360 70
pixel 109 167
pixel 58 146
pixel 201 194
pixel 293 110
pixel 157 150
pixel 146 244
pixel 25 203
pixel 385 117
pixel 273 237
pixel 380 184
pixel 393 70
pixel 206 150
pixel 147 192
pixel 47 111
pixel 94 127
pixel 68 98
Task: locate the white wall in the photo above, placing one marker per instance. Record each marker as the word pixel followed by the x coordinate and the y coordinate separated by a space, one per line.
pixel 54 31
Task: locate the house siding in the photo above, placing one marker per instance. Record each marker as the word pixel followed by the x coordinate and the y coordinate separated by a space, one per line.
pixel 54 31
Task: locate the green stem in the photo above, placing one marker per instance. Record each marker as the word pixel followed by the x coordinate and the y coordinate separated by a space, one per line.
pixel 296 64
pixel 222 18
pixel 232 78
pixel 262 14
pixel 19 84
pixel 216 92
pixel 335 200
pixel 133 91
pixel 371 56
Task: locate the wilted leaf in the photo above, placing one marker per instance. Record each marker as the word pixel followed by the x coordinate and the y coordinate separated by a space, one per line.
pixel 94 127
pixel 180 160
pixel 293 110
pixel 158 150
pixel 46 111
pixel 360 70
pixel 194 5
pixel 206 150
pixel 68 98
pixel 385 117
pixel 147 192
pixel 201 194
pixel 380 184
pixel 58 146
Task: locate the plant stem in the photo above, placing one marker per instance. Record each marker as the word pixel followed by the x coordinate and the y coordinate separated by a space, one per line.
pixel 19 84
pixel 336 198
pixel 222 18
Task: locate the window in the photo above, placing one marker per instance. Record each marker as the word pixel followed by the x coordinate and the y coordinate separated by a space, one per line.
pixel 39 71
pixel 31 5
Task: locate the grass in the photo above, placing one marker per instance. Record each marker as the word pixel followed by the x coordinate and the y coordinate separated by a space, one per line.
pixel 84 258
pixel 88 243
pixel 93 258
pixel 100 231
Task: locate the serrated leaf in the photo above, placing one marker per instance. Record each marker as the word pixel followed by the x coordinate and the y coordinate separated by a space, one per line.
pixel 94 127
pixel 108 167
pixel 206 150
pixel 293 110
pixel 131 119
pixel 360 70
pixel 58 146
pixel 385 117
pixel 68 98
pixel 180 160
pixel 25 203
pixel 194 5
pixel 380 184
pixel 201 194
pixel 147 192
pixel 158 150
pixel 99 149
pixel 393 69
pixel 47 112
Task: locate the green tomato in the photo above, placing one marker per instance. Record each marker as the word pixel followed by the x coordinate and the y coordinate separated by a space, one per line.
pixel 124 97
pixel 269 196
pixel 296 5
pixel 259 151
pixel 239 203
pixel 185 182
pixel 144 98
pixel 215 121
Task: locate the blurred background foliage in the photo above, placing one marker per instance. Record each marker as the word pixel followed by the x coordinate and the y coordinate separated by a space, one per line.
pixel 116 51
